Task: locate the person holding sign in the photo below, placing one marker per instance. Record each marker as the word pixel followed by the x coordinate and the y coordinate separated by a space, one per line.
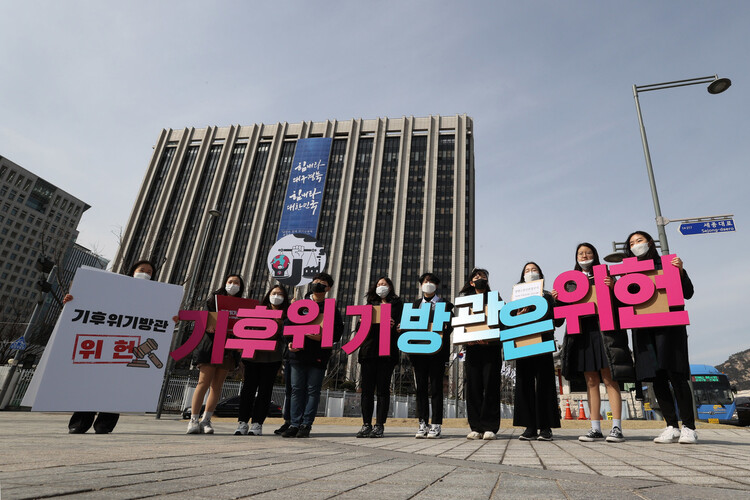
pixel 212 375
pixel 376 370
pixel 535 394
pixel 661 354
pixel 429 369
pixel 81 421
pixel 259 372
pixel 597 355
pixel 482 372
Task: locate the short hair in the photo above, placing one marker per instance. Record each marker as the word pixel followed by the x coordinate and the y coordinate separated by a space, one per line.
pixel 432 277
pixel 325 277
pixel 135 266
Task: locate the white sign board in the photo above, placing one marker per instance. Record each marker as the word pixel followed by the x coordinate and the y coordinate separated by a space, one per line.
pixel 109 347
pixel 523 290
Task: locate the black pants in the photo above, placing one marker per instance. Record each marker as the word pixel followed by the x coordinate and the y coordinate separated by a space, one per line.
pixel 429 372
pixel 259 377
pixel 535 394
pixel 81 421
pixel 482 375
pixel 376 375
pixel 288 391
pixel 682 394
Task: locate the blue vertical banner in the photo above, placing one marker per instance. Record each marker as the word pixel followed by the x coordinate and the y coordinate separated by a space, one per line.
pixel 304 192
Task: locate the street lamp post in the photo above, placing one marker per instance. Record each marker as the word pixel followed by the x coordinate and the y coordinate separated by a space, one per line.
pixel 716 86
pixel 187 300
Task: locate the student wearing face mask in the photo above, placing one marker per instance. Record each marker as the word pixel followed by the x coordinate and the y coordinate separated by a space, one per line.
pixel 308 365
pixel 661 354
pixel 535 394
pixel 376 370
pixel 429 369
pixel 260 372
pixel 212 375
pixel 482 372
pixel 81 421
pixel 600 356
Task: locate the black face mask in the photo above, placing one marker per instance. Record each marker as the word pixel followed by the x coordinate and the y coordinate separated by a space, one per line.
pixel 480 284
pixel 318 287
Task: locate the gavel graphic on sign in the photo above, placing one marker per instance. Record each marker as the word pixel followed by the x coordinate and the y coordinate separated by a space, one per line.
pixel 146 349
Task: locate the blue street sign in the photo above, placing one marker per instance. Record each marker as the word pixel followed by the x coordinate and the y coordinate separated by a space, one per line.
pixel 19 344
pixel 714 226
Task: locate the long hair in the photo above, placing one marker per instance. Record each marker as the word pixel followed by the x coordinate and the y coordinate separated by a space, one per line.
pixel 222 290
pixel 651 254
pixel 371 296
pixel 132 269
pixel 593 249
pixel 541 274
pixel 468 288
pixel 267 297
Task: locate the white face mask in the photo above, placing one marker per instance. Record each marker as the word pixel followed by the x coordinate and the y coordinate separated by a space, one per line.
pixel 429 288
pixel 232 288
pixel 531 276
pixel 276 299
pixel 639 249
pixel 586 264
pixel 383 291
pixel 142 276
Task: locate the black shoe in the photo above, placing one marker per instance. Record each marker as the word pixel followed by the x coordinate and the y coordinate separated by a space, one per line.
pixel 282 429
pixel 76 430
pixel 290 432
pixel 377 431
pixel 365 431
pixel 545 435
pixel 528 434
pixel 304 431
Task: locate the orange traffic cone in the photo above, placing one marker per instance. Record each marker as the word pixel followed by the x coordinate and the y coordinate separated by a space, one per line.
pixel 581 412
pixel 568 414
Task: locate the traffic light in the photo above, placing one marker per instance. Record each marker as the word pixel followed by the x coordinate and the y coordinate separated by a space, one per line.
pixel 44 264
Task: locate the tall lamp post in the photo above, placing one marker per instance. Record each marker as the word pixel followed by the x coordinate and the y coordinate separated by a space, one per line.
pixel 716 86
pixel 187 300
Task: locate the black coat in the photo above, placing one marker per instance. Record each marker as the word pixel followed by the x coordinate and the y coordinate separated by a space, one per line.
pixel 664 348
pixel 445 348
pixel 370 348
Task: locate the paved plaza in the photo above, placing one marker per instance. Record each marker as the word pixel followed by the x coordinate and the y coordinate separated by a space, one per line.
pixel 146 457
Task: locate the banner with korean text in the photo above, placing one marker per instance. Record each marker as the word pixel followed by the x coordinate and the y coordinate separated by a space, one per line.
pixel 304 192
pixel 109 347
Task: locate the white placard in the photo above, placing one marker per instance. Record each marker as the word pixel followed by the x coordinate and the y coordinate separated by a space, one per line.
pixel 523 290
pixel 89 364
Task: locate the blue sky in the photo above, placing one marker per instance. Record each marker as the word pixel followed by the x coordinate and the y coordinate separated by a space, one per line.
pixel 88 85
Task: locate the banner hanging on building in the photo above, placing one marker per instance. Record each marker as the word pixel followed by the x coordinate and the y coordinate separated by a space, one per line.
pixel 304 192
pixel 108 349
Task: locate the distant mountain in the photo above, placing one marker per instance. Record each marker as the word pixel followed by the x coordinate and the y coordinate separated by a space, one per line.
pixel 737 368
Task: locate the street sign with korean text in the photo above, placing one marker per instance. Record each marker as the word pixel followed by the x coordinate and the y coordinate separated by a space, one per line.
pixel 19 344
pixel 714 226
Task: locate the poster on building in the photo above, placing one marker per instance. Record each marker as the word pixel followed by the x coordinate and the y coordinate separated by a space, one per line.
pixel 304 191
pixel 109 347
pixel 295 259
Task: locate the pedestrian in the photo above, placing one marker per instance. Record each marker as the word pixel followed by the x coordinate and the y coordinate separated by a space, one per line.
pixel 482 372
pixel 212 376
pixel 600 356
pixel 81 421
pixel 535 404
pixel 376 370
pixel 429 369
pixel 259 373
pixel 661 354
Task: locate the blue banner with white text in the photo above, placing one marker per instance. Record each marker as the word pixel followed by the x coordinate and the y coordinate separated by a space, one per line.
pixel 304 192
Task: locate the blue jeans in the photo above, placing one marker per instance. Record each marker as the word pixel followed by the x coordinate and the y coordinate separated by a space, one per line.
pixel 306 383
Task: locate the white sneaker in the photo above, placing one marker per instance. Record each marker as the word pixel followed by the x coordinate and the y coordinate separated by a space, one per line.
pixel 435 432
pixel 473 435
pixel 241 429
pixel 423 430
pixel 255 429
pixel 668 435
pixel 489 436
pixel 688 436
pixel 206 427
pixel 194 427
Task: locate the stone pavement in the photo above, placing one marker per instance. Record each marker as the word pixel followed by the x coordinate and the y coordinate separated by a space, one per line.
pixel 145 457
